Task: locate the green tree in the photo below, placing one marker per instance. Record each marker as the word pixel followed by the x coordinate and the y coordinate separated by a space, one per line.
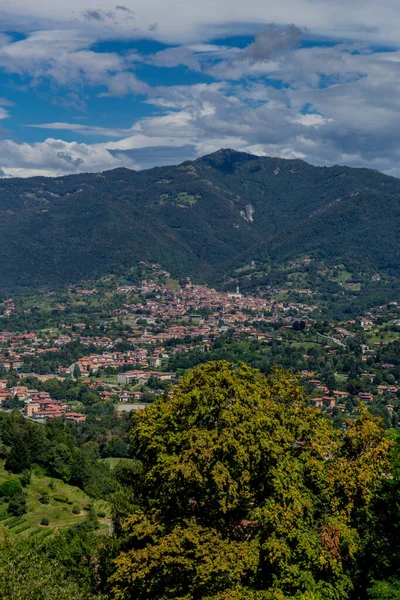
pixel 10 488
pixel 44 498
pixel 238 471
pixel 17 505
pixel 25 477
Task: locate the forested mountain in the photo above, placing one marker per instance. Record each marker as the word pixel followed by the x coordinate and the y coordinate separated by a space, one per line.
pixel 201 218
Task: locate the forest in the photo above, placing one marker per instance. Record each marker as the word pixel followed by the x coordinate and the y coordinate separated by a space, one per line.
pixel 191 218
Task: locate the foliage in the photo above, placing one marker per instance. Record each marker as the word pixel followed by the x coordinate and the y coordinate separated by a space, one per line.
pixel 44 498
pixel 17 505
pixel 25 477
pixel 385 590
pixel 10 488
pixel 245 487
pixel 30 570
pixel 55 448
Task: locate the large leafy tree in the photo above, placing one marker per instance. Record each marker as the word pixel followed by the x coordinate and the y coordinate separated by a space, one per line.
pixel 245 491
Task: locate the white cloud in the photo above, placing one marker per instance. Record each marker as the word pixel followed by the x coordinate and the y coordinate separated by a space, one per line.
pixel 82 129
pixel 56 157
pixel 181 21
pixel 65 57
pixel 335 103
pixel 310 120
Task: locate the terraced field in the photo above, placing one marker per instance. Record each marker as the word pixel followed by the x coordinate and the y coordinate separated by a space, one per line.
pixel 63 498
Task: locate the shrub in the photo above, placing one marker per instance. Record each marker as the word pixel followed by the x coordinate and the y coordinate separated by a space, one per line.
pixel 11 488
pixel 25 477
pixel 21 528
pixel 15 522
pixel 17 505
pixel 92 519
pixel 45 521
pixel 101 514
pixel 38 470
pixel 60 498
pixel 44 498
pixel 76 510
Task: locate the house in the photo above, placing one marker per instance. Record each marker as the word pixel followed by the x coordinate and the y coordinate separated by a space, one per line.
pixel 329 402
pixel 154 361
pixel 365 397
pixel 317 402
pixel 129 377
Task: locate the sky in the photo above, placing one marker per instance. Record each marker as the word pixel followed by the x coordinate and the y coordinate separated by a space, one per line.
pixel 90 85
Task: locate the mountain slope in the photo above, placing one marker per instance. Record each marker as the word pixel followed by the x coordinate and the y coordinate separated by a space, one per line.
pixel 200 218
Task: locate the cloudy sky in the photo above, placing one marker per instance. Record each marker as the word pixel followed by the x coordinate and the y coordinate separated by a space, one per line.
pixel 89 85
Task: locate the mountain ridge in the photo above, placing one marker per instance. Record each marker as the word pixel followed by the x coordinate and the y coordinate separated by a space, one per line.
pixel 200 218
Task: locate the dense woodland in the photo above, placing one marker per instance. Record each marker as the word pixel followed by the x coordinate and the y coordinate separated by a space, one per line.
pixel 237 488
pixel 200 219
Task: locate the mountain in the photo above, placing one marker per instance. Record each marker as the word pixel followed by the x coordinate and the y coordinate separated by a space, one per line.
pixel 200 218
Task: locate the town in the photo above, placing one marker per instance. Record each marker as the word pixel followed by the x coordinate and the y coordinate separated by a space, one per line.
pixel 126 343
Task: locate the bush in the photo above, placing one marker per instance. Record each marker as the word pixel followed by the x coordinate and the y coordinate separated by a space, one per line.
pixel 38 470
pixel 76 510
pixel 11 488
pixel 15 522
pixel 92 519
pixel 17 505
pixel 87 507
pixel 21 528
pixel 101 514
pixel 45 521
pixel 44 498
pixel 25 477
pixel 60 498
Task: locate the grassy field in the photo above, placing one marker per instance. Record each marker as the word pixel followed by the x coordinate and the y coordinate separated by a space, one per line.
pixel 59 513
pixel 172 284
pixel 379 335
pixel 343 276
pixel 113 461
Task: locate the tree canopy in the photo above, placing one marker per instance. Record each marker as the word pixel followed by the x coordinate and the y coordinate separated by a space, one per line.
pixel 245 491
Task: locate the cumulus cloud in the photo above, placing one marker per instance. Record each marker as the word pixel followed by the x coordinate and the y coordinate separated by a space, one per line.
pixel 328 103
pixel 65 58
pixel 257 58
pixel 56 157
pixel 195 56
pixel 270 41
pixel 353 118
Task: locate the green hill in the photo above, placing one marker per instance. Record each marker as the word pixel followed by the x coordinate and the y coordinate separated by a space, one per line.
pixel 62 499
pixel 201 218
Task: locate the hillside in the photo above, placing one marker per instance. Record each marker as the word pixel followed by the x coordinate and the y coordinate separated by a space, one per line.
pixel 201 218
pixel 66 505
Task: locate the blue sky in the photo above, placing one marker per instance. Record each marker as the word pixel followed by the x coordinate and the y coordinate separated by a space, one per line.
pixel 89 86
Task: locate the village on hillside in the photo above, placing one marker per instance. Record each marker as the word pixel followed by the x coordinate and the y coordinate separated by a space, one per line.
pixel 125 342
